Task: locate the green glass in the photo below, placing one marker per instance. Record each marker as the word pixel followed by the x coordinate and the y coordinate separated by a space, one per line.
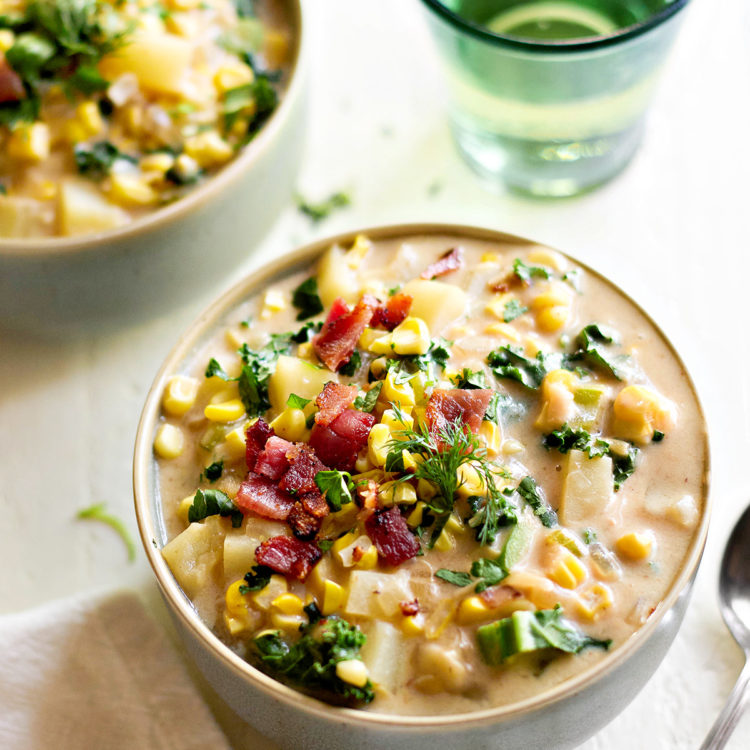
pixel 549 96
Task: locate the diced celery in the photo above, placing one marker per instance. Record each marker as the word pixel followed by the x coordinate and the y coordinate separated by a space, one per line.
pixel 517 544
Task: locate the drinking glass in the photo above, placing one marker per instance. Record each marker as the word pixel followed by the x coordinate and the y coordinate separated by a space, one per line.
pixel 549 96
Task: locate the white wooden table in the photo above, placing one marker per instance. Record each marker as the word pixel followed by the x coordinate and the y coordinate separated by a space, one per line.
pixel 673 231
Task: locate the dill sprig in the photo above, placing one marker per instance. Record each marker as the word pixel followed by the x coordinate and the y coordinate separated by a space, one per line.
pixel 441 457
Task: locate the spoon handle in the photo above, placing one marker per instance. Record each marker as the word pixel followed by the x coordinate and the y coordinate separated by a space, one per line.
pixel 731 713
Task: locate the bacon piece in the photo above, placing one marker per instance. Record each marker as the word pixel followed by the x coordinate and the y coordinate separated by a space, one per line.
pixel 255 441
pixel 304 525
pixel 337 444
pixel 260 495
pixel 288 556
pixel 341 331
pixel 368 494
pixel 332 449
pixel 11 85
pixel 332 400
pixel 409 609
pixel 300 477
pixel 389 533
pixel 450 260
pixel 315 504
pixel 392 312
pixel 458 404
pixel 272 461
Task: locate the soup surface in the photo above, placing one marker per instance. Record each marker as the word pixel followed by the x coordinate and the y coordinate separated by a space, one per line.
pixel 433 475
pixel 109 110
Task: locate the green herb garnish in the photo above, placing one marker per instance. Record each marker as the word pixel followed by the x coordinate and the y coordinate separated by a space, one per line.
pixel 526 273
pixel 98 513
pixel 367 401
pixel 513 308
pixel 322 210
pixel 305 298
pixel 214 503
pixel 469 379
pixel 593 346
pixel 354 363
pixel 96 161
pixel 297 402
pixel 213 471
pixel 336 486
pixel 257 579
pixel 510 362
pixel 457 578
pixel 532 494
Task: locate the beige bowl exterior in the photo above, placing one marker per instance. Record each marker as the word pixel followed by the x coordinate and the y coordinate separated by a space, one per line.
pixel 70 284
pixel 561 717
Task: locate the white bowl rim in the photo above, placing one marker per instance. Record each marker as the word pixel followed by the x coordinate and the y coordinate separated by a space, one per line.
pixel 291 698
pixel 210 190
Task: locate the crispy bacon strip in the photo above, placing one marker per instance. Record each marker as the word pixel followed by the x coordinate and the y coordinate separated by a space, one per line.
pixel 304 525
pixel 392 312
pixel 256 438
pixel 341 331
pixel 456 404
pixel 332 400
pixel 262 496
pixel 288 556
pixel 272 461
pixel 338 443
pixel 389 533
pixel 300 477
pixel 450 260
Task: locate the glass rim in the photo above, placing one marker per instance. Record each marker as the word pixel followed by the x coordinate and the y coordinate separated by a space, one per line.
pixel 571 45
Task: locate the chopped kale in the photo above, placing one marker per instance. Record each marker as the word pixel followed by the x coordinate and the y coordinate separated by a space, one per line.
pixel 592 346
pixel 510 362
pixel 532 494
pixel 213 471
pixel 367 401
pixel 311 661
pixel 354 363
pixel 455 577
pixel 307 332
pixel 256 372
pixel 470 379
pixel 96 161
pixel 436 356
pixel 658 436
pixel 305 298
pixel 526 273
pixel 503 408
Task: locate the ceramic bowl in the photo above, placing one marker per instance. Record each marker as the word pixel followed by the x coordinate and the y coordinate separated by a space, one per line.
pixel 560 717
pixel 135 272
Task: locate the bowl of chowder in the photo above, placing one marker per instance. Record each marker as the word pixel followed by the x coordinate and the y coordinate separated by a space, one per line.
pixel 144 147
pixel 431 486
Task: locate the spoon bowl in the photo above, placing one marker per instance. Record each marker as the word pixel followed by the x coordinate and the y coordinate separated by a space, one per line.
pixel 734 602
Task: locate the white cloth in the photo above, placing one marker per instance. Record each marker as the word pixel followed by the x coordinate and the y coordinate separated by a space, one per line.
pixel 97 673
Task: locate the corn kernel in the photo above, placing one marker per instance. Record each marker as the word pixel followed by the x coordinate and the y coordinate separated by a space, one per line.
pixel 445 542
pixel 158 162
pixel 489 258
pixel 454 524
pixel 471 610
pixel 291 425
pixel 511 446
pixel 635 545
pixel 496 305
pixel 594 600
pixel 169 441
pixel 409 460
pixel 567 571
pixel 639 411
pixel 553 294
pixel 368 560
pixel 45 190
pixel 491 435
pixel 357 252
pixel 333 597
pixel 132 190
pixel 208 149
pixel 395 425
pixel 412 625
pixel 551 319
pixel 352 671
pixel 506 330
pixel 377 444
pixel 179 395
pixel 184 508
pixel 289 604
pixel 236 625
pixel 234 443
pixel 290 623
pixel 412 336
pixel 7 39
pixel 276 586
pixel 225 411
pixel 231 76
pixel 236 602
pixel 88 114
pixel 470 482
pixel 397 393
pixel 29 142
pixel 415 517
pixel 273 302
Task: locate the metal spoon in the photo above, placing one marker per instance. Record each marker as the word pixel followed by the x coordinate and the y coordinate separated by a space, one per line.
pixel 734 601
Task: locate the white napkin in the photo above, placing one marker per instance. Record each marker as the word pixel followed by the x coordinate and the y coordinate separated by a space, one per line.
pixel 97 673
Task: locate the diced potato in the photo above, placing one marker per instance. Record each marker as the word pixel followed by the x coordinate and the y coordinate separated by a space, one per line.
pixel 385 655
pixel 294 375
pixel 239 554
pixel 82 209
pixel 683 512
pixel 336 278
pixel 587 487
pixel 159 61
pixel 20 217
pixel 377 594
pixel 440 669
pixel 435 302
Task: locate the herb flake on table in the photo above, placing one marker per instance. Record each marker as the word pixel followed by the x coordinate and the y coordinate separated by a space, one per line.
pixel 98 512
pixel 321 210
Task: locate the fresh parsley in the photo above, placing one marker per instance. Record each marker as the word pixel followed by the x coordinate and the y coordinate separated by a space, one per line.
pixel 97 160
pixel 336 486
pixel 513 308
pixel 307 332
pixel 297 402
pixel 213 471
pixel 258 366
pixel 469 379
pixel 355 362
pixel 214 503
pixel 510 362
pixel 525 273
pixel 367 401
pixel 257 579
pixel 305 298
pixel 457 578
